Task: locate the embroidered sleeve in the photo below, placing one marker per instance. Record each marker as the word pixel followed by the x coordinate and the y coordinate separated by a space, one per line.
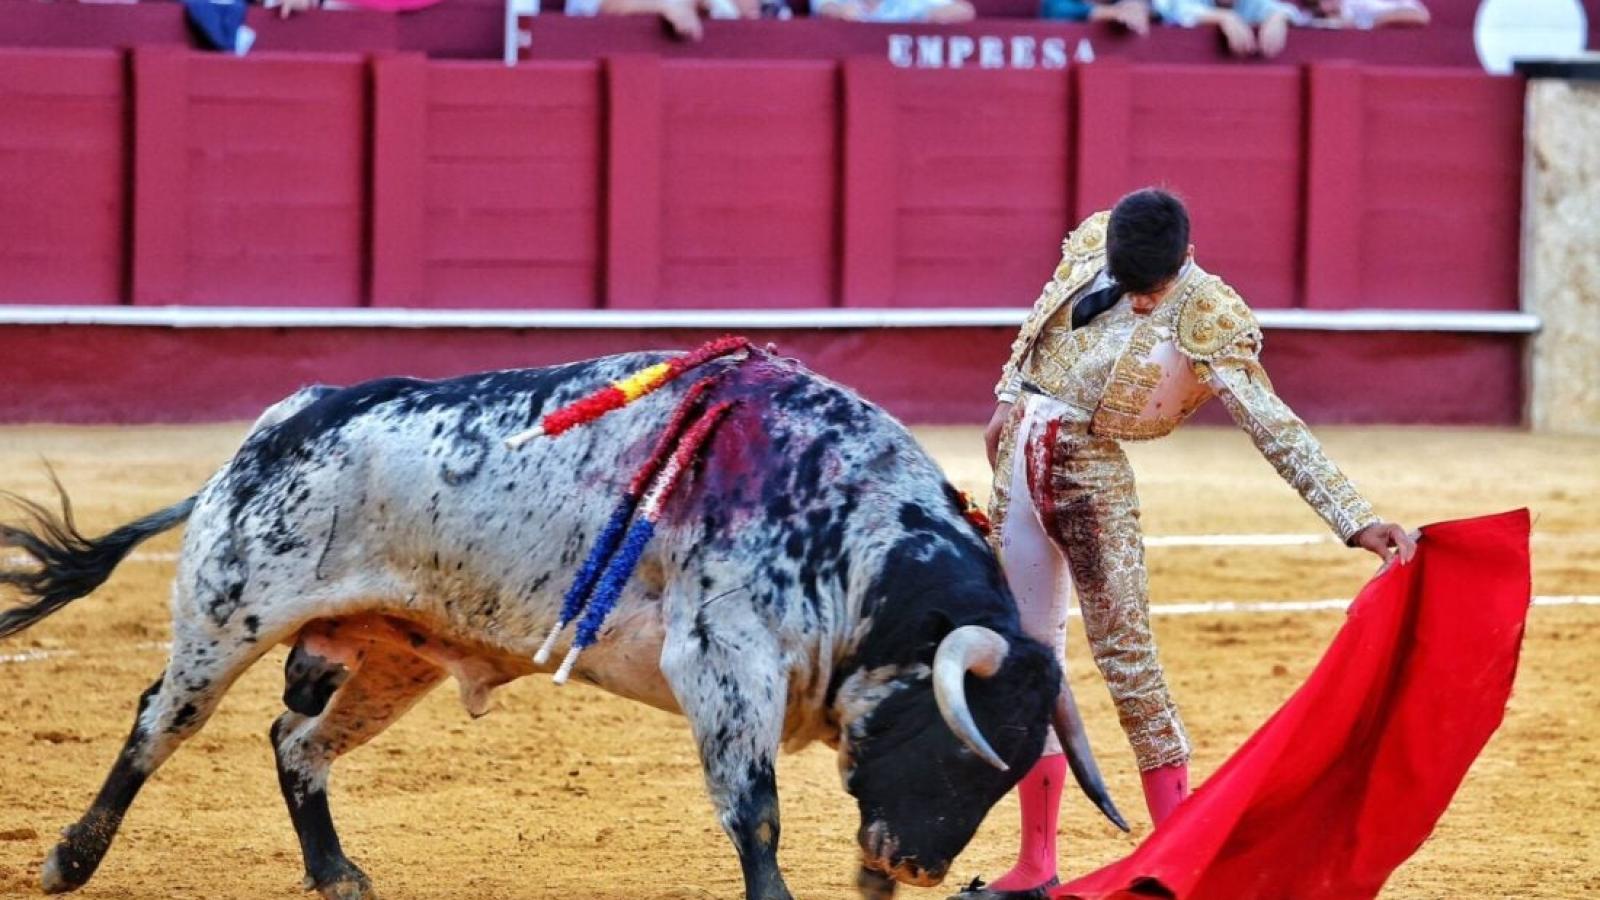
pixel 1242 384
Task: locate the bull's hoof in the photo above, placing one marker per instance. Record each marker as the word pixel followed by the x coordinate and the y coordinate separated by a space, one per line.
pixel 345 882
pixel 64 870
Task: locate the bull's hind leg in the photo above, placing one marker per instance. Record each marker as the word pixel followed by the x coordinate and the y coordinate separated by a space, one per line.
pixel 728 675
pixel 200 671
pixel 341 693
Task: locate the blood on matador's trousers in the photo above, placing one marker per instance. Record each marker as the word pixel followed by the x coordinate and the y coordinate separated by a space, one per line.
pixel 1066 517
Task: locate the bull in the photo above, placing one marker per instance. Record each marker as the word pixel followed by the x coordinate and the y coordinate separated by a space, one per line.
pixel 814 580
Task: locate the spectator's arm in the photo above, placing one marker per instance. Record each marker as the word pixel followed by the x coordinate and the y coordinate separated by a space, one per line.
pixel 849 10
pixel 680 15
pixel 1192 13
pixel 1409 15
pixel 953 11
pixel 1378 13
pixel 1133 15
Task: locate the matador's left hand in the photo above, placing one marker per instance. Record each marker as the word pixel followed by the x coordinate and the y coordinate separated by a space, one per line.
pixel 1386 539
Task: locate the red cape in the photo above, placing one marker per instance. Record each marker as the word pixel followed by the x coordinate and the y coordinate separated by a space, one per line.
pixel 1347 780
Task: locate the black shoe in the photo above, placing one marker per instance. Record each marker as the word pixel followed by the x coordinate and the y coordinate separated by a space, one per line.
pixel 977 890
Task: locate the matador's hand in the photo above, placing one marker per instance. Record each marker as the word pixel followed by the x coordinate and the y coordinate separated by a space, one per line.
pixel 1386 539
pixel 991 433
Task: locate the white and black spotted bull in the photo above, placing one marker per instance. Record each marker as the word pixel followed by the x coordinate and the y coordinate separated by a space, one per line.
pixel 814 579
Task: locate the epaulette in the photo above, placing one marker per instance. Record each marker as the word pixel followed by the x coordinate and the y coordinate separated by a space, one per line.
pixel 1086 241
pixel 1212 317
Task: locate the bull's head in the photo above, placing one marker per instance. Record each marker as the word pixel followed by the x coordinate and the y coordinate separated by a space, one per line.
pixel 927 750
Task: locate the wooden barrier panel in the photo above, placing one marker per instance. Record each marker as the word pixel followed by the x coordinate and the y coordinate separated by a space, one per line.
pixel 937 375
pixel 510 186
pixel 63 176
pixel 871 191
pixel 159 237
pixel 981 166
pixel 1414 190
pixel 638 183
pixel 1441 189
pixel 633 181
pixel 749 184
pixel 1228 141
pixel 275 189
pixel 399 155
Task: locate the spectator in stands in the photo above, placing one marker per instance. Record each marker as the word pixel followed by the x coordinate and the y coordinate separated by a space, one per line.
pixel 1133 15
pixel 682 16
pixel 895 10
pixel 1250 26
pixel 1370 13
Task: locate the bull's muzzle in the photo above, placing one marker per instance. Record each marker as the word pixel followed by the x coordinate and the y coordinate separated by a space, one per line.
pixel 880 853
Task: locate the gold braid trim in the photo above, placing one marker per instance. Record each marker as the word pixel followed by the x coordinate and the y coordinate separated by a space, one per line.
pixel 1212 318
pixel 1082 257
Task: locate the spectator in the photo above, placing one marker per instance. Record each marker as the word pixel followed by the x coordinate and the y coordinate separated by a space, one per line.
pixel 895 10
pixel 1370 13
pixel 682 16
pixel 1250 26
pixel 1133 15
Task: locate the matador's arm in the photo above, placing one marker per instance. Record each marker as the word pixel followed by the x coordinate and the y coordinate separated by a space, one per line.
pixel 1234 371
pixel 1009 385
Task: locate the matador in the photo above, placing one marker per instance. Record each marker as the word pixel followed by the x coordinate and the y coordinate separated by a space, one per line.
pixel 1127 340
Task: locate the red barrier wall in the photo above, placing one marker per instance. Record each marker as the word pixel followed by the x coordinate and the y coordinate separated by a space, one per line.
pixel 638 183
pixel 747 159
pixel 59 374
pixel 979 166
pixel 63 184
pixel 491 185
pixel 635 182
pixel 1231 141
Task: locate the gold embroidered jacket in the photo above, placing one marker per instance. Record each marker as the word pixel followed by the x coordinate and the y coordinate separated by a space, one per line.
pixel 1139 377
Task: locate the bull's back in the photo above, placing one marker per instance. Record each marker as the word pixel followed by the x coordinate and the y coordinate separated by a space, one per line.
pixel 405 489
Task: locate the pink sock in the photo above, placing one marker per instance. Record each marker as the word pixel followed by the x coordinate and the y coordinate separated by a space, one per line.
pixel 1164 789
pixel 1040 796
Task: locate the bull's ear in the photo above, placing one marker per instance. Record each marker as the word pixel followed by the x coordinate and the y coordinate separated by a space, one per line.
pixel 933 628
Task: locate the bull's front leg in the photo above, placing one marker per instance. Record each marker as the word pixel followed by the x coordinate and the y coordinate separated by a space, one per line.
pixel 729 678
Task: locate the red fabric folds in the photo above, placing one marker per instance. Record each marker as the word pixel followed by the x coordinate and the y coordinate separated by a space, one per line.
pixel 1346 780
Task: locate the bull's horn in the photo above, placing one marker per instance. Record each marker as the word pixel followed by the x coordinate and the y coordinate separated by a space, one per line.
pixel 975 649
pixel 1080 757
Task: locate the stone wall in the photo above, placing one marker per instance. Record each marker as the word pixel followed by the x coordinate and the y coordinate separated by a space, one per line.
pixel 1561 254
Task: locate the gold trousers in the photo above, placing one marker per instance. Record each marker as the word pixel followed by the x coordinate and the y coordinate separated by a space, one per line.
pixel 1066 515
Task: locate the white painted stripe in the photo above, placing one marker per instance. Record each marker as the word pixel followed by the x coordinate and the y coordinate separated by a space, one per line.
pixel 1228 607
pixel 1399 320
pixel 35 656
pixel 1237 540
pixel 41 654
pixel 732 320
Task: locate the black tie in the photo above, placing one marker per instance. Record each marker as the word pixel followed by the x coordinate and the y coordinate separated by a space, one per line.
pixel 1094 303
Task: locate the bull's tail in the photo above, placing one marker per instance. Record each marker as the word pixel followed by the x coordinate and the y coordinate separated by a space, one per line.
pixel 69 565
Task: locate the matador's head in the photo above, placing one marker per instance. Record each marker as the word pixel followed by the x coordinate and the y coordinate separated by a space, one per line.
pixel 1147 241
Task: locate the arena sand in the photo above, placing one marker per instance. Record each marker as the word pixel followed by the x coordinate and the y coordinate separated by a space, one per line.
pixel 570 793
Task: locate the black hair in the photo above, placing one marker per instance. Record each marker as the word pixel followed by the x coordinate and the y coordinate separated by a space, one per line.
pixel 1147 240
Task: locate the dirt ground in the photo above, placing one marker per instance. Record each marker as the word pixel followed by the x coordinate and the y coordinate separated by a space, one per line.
pixel 569 792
